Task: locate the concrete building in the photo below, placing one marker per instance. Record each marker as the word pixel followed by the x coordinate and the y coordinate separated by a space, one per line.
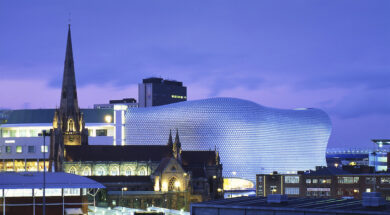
pixel 325 182
pixel 157 91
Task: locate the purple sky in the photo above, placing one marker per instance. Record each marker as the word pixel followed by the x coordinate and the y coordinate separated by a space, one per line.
pixel 333 55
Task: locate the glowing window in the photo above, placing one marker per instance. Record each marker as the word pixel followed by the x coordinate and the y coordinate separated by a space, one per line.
pixel 129 171
pixel 142 171
pixel 100 171
pixel 72 170
pixel 19 149
pixel 114 171
pixel 87 171
pixel 172 185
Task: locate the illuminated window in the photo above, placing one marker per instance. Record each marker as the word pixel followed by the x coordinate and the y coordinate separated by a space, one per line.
pixel 142 171
pixel 114 171
pixel 308 181
pixel 385 180
pixel 87 171
pixel 129 171
pixel 44 149
pixel 100 171
pixel 172 183
pixel 348 180
pixel 315 181
pixel 71 125
pixel 19 149
pixel 291 179
pixel 72 170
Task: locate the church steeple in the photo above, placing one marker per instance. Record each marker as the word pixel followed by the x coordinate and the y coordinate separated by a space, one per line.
pixel 68 123
pixel 69 104
pixel 177 147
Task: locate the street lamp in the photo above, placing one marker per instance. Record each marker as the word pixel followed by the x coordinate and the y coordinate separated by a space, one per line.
pixel 44 134
pixel 123 189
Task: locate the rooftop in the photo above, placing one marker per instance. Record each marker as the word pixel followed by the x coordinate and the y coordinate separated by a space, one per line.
pixel 27 116
pixel 30 180
pixel 315 205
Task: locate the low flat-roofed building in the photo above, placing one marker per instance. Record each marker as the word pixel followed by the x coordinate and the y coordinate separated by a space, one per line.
pixel 325 182
pixel 295 206
pixel 22 193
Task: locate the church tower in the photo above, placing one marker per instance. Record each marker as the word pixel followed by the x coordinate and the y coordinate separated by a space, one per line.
pixel 68 123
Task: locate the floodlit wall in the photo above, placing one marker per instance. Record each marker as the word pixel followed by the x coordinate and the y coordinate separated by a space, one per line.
pixel 251 138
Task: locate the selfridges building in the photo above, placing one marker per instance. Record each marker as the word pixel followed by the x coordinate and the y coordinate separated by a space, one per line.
pixel 250 138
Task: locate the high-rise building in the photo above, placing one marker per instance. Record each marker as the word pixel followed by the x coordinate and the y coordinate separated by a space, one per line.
pixel 157 91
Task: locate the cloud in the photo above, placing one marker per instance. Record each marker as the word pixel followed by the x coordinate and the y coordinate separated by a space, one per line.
pixel 362 102
pixel 32 93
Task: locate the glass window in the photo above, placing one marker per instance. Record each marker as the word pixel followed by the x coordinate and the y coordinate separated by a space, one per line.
pixel 370 180
pixel 385 180
pixel 129 171
pixel 142 171
pixel 73 170
pixel 31 149
pixel 114 171
pixel 19 149
pixel 101 132
pixel 291 190
pixel 100 171
pixel 44 149
pixel 8 149
pixel 315 181
pixel 308 181
pixel 348 180
pixel 291 179
pixel 87 171
pixel 12 133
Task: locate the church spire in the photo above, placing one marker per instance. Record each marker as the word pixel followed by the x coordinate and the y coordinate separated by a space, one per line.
pixel 177 147
pixel 69 104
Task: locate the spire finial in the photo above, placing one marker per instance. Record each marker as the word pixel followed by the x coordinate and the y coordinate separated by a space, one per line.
pixel 69 19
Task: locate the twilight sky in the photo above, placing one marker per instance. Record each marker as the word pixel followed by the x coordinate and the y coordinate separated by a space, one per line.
pixel 328 54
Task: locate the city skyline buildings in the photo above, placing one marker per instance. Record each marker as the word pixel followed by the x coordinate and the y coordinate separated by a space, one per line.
pixel 349 85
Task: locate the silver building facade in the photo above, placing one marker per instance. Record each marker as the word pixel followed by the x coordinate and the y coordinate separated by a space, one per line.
pixel 251 138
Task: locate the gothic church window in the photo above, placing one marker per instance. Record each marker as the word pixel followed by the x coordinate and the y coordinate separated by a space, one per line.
pixel 114 171
pixel 87 171
pixel 142 171
pixel 172 185
pixel 100 171
pixel 70 125
pixel 73 170
pixel 129 171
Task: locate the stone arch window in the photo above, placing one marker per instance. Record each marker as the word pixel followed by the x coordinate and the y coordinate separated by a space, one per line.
pixel 87 171
pixel 129 171
pixel 142 171
pixel 100 171
pixel 173 184
pixel 70 125
pixel 73 170
pixel 114 171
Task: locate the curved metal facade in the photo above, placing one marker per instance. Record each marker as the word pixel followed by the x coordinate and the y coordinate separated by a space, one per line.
pixel 251 138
